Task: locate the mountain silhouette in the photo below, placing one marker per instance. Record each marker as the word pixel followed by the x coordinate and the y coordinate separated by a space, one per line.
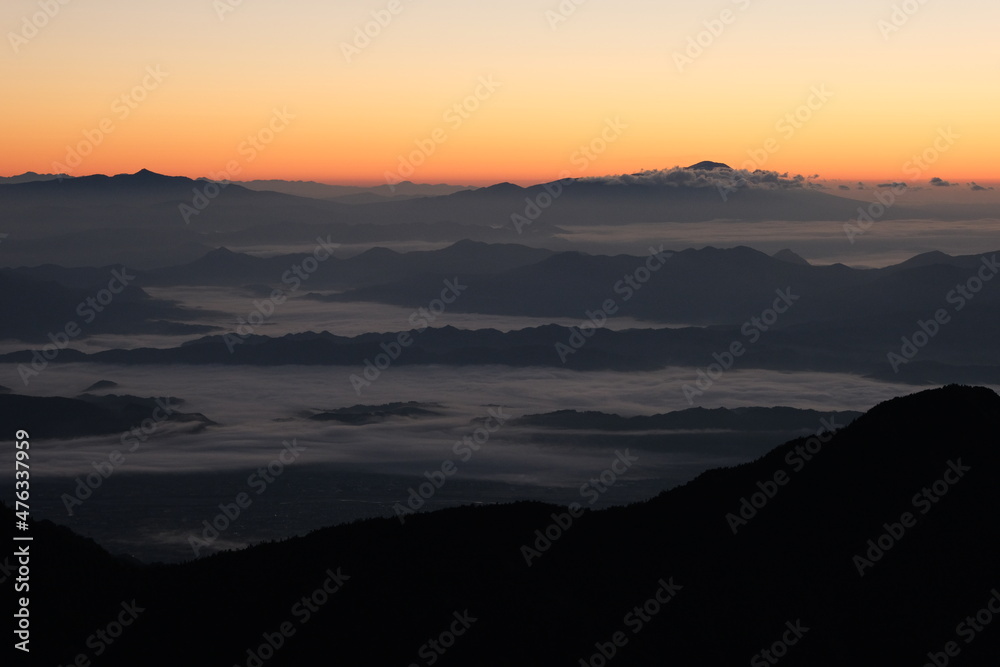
pixel 964 351
pixel 87 414
pixel 786 255
pixel 736 419
pixel 360 415
pixel 153 220
pixel 708 165
pixel 74 307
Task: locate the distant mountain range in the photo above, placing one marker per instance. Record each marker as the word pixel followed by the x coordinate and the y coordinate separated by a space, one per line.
pixel 354 194
pixel 693 286
pixel 313 189
pixel 703 286
pixel 98 219
pixel 785 314
pixel 149 220
pixel 30 177
pixel 964 351
pixel 111 201
pixel 875 546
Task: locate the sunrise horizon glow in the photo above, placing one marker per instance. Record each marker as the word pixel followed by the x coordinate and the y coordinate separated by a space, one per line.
pixel 449 93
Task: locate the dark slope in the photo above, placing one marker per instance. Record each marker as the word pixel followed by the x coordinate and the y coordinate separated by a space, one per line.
pixel 149 200
pixel 703 286
pixel 736 419
pixel 86 302
pixel 374 266
pixel 46 417
pixel 793 562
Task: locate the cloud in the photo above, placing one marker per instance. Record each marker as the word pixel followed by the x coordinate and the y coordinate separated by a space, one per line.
pixel 941 183
pixel 975 186
pixel 891 185
pixel 258 408
pixel 679 177
pixel 844 187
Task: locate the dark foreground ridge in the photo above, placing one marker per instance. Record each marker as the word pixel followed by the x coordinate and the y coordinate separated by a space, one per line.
pixel 877 547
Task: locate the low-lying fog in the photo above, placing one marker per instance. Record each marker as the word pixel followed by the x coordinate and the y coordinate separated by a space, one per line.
pixel 177 477
pixel 299 314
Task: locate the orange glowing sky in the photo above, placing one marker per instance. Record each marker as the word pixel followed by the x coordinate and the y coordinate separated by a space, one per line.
pixel 229 64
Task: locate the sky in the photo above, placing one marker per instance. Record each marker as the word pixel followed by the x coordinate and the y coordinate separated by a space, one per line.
pixel 474 93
